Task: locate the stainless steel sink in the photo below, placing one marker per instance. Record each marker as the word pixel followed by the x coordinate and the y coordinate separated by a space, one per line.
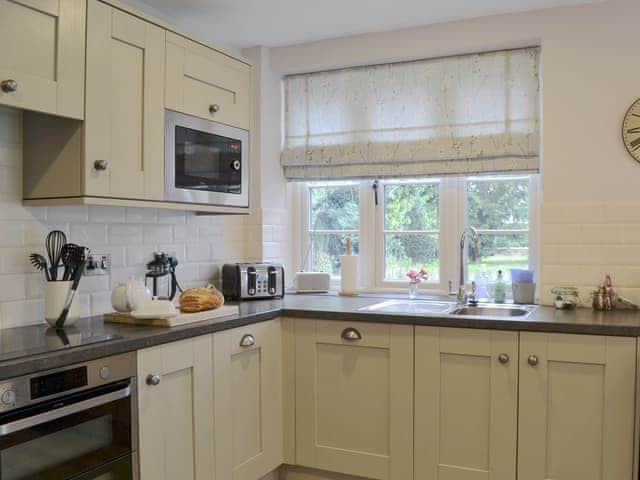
pixel 408 307
pixel 494 311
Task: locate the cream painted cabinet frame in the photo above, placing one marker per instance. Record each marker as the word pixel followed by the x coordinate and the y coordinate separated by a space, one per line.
pixel 466 397
pixel 247 372
pixel 576 407
pixel 354 398
pixel 42 59
pixel 206 83
pixel 175 414
pixel 124 125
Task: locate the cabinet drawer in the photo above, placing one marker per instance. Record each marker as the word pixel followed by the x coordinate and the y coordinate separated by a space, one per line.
pixel 199 78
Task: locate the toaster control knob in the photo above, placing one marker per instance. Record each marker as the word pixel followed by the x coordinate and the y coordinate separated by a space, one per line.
pixel 252 291
pixel 235 165
pixel 9 397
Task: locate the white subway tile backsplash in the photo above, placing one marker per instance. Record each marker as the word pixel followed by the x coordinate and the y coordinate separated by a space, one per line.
pixel 141 215
pixel 74 213
pixel 154 234
pixel 99 214
pixel 88 234
pixel 593 241
pixel 124 234
pixel 130 235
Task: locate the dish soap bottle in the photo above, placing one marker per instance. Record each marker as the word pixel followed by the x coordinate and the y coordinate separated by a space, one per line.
pixel 500 290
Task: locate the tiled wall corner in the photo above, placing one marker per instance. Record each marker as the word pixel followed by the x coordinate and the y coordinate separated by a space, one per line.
pixel 130 235
pixel 582 243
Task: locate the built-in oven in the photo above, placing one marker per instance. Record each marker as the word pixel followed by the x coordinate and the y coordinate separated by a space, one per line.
pixel 77 422
pixel 205 161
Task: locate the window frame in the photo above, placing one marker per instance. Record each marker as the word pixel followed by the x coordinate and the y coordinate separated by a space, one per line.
pixel 371 264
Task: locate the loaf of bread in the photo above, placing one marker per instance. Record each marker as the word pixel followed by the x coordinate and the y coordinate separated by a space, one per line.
pixel 200 299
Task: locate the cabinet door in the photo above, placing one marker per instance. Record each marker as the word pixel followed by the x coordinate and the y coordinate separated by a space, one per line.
pixel 176 414
pixel 125 105
pixel 199 78
pixel 247 366
pixel 576 407
pixel 354 398
pixel 466 384
pixel 43 55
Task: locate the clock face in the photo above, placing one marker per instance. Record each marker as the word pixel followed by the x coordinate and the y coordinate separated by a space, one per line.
pixel 631 130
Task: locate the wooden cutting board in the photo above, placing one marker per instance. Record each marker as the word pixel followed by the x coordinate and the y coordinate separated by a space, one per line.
pixel 180 319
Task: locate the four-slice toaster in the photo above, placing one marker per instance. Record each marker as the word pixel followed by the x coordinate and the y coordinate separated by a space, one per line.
pixel 243 281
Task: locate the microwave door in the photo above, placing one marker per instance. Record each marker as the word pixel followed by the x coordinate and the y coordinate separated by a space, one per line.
pixel 206 162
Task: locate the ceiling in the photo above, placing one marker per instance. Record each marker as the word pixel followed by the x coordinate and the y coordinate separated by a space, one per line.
pixel 247 23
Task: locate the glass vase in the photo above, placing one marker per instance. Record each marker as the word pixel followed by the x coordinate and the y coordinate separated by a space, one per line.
pixel 413 290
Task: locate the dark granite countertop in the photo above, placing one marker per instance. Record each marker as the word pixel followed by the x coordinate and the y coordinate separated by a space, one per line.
pixel 19 357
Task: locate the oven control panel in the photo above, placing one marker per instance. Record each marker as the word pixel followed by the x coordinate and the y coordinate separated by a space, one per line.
pixel 21 391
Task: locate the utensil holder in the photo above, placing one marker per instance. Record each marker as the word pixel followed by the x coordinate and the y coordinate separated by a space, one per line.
pixel 54 299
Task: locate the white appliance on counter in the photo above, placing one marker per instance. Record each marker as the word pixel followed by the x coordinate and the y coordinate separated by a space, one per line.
pixel 205 161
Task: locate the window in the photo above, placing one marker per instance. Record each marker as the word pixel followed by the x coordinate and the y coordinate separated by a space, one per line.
pixel 499 210
pixel 334 215
pixel 411 233
pixel 417 224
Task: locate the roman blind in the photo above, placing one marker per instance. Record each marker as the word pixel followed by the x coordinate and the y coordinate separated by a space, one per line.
pixel 460 115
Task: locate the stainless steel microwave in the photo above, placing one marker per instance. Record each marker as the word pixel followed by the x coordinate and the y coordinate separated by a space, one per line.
pixel 206 162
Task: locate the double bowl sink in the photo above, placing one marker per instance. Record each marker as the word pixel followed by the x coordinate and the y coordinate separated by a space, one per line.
pixel 434 307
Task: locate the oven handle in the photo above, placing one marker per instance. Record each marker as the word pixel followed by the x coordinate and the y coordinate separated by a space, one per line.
pixel 45 417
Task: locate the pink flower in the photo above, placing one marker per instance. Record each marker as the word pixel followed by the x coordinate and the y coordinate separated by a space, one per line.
pixel 417 277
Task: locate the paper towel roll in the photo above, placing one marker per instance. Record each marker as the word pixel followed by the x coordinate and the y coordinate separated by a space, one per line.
pixel 349 275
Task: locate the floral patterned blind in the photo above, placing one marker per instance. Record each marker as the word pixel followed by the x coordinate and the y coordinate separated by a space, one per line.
pixel 459 115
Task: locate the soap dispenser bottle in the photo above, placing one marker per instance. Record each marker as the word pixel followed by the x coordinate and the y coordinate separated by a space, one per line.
pixel 500 290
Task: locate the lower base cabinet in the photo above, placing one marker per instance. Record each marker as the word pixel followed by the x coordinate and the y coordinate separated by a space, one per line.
pixel 577 407
pixel 354 398
pixel 466 415
pixel 247 386
pixel 174 410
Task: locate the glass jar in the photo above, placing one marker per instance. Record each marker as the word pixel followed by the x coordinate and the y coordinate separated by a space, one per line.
pixel 413 289
pixel 565 298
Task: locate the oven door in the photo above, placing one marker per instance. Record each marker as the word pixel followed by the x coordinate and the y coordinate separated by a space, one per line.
pixel 87 435
pixel 205 162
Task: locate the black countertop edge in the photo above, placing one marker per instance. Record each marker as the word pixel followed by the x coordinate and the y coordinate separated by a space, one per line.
pixel 327 307
pixel 156 336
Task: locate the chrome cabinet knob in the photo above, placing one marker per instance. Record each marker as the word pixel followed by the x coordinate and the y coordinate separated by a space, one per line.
pixel 351 334
pixel 503 358
pixel 100 165
pixel 247 340
pixel 153 379
pixel 9 85
pixel 215 108
pixel 532 360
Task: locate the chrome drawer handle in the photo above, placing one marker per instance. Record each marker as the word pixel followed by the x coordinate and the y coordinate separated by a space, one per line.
pixel 9 85
pixel 100 165
pixel 503 358
pixel 247 340
pixel 351 334
pixel 532 360
pixel 153 380
pixel 215 108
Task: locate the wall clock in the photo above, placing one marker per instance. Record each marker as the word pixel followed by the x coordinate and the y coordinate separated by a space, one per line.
pixel 631 130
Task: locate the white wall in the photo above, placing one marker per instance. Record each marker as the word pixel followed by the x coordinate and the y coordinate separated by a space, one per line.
pixel 590 72
pixel 202 243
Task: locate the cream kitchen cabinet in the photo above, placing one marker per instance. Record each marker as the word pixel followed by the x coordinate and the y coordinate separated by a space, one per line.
pixel 118 151
pixel 354 398
pixel 206 83
pixel 175 414
pixel 42 59
pixel 247 385
pixel 466 398
pixel 124 124
pixel 577 407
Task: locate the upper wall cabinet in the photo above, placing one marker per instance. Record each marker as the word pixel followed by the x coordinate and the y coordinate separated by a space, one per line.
pixel 207 83
pixel 124 126
pixel 42 59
